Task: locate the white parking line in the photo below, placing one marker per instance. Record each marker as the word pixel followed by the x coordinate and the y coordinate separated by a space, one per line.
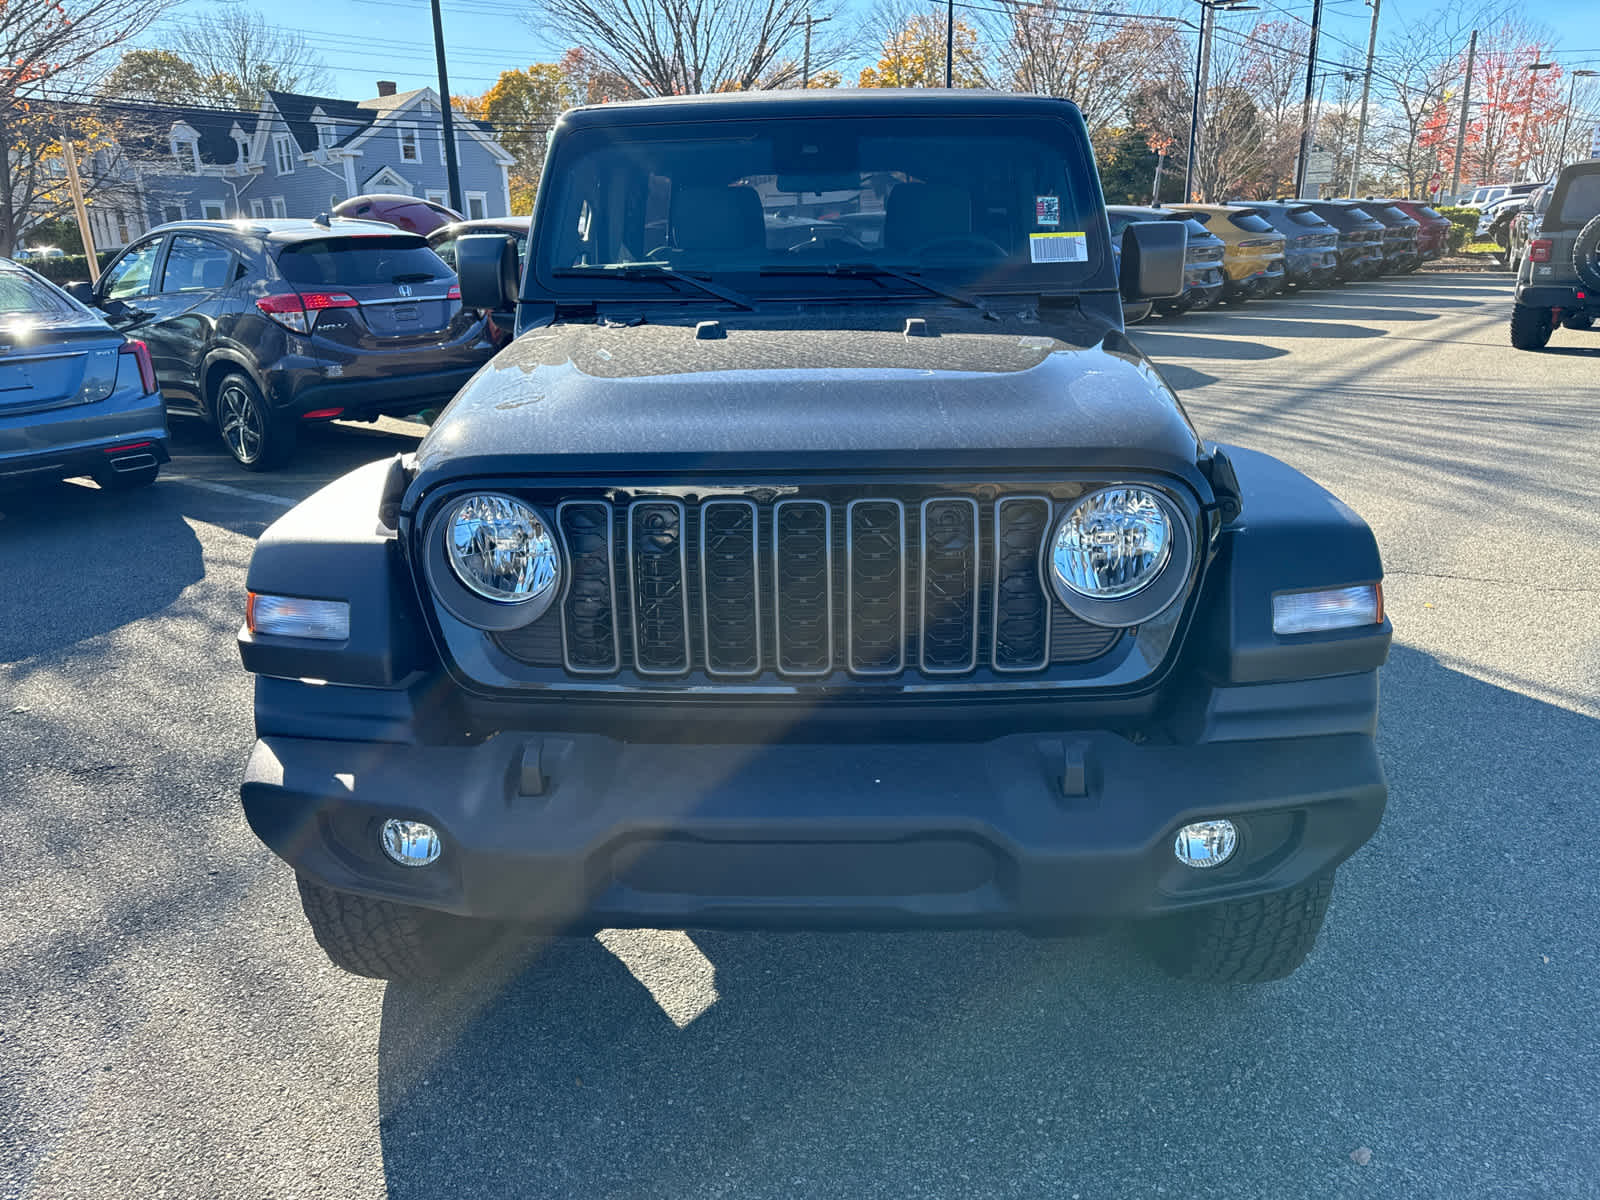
pixel 227 489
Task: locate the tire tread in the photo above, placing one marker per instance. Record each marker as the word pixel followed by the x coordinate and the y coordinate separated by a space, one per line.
pixel 1245 941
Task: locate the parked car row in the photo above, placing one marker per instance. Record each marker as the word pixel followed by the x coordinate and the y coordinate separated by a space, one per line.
pixel 1253 249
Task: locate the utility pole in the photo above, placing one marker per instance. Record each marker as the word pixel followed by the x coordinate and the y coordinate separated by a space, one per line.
pixel 79 208
pixel 1366 92
pixel 805 69
pixel 1305 111
pixel 1461 127
pixel 1202 59
pixel 950 44
pixel 452 168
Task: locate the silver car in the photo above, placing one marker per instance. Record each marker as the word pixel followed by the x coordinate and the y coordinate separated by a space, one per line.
pixel 76 397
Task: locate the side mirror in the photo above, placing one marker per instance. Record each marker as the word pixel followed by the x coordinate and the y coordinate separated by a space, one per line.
pixel 1152 260
pixel 486 266
pixel 81 291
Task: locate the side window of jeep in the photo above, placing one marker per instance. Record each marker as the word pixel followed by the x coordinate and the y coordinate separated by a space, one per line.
pixel 1582 202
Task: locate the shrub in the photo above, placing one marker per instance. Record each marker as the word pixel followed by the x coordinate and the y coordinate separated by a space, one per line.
pixel 68 269
pixel 1463 225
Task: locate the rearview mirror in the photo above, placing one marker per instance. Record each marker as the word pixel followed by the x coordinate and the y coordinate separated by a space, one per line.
pixel 1152 260
pixel 486 266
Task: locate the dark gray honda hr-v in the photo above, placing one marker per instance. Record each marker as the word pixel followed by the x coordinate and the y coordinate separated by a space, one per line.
pixel 261 326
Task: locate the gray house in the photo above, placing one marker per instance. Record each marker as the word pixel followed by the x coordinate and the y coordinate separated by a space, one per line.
pixel 297 156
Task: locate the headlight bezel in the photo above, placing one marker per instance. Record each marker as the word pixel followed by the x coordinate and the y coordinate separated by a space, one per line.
pixel 1166 587
pixel 459 598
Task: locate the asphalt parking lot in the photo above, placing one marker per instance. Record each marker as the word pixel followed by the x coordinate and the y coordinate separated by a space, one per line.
pixel 168 1026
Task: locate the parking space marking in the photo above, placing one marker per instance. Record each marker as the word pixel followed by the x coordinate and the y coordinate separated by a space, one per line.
pixel 227 489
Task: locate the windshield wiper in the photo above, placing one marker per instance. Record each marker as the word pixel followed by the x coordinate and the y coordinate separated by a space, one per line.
pixel 658 271
pixel 865 270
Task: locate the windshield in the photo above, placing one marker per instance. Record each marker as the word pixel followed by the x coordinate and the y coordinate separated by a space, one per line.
pixel 361 262
pixel 980 202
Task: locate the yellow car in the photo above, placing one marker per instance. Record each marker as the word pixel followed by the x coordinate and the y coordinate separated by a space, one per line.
pixel 1252 251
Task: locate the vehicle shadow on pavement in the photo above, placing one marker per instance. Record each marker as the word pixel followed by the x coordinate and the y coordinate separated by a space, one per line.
pixel 1456 962
pixel 81 561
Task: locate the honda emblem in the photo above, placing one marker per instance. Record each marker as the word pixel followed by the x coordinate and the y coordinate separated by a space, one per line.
pixel 405 289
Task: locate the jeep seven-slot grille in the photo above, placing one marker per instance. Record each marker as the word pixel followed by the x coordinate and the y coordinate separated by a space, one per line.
pixel 805 588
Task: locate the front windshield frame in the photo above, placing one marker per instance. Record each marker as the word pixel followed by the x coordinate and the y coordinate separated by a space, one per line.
pixel 1082 211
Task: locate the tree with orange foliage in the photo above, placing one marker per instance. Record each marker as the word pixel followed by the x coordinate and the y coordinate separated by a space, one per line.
pixel 49 49
pixel 913 54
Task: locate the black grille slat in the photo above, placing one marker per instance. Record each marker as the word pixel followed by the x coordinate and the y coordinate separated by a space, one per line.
pixel 950 560
pixel 1020 638
pixel 803 586
pixel 659 574
pixel 875 598
pixel 589 612
pixel 730 597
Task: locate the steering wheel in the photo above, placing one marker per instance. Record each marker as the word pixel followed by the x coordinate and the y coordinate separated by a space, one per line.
pixel 956 243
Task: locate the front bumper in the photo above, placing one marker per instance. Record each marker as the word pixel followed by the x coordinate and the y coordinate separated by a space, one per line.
pixel 1025 830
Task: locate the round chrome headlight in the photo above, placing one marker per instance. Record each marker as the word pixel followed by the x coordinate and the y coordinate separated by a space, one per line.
pixel 502 549
pixel 1119 555
pixel 1112 543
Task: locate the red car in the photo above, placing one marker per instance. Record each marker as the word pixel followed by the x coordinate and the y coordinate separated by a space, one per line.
pixel 411 213
pixel 1433 239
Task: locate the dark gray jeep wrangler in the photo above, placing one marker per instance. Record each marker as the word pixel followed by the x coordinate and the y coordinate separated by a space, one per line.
pixel 820 555
pixel 1558 279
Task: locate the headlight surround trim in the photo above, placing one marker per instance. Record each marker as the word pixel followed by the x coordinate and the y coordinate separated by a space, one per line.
pixel 447 572
pixel 1164 586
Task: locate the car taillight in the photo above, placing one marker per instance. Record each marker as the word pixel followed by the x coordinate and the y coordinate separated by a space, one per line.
pixel 1539 250
pixel 454 293
pixel 298 311
pixel 141 359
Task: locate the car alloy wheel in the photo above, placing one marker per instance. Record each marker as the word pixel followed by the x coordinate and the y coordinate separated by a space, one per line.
pixel 243 425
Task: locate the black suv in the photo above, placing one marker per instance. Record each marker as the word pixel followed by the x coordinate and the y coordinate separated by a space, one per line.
pixel 870 580
pixel 259 326
pixel 1360 238
pixel 1558 279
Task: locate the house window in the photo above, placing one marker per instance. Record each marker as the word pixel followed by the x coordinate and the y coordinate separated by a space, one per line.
pixel 258 209
pixel 409 151
pixel 438 196
pixel 211 210
pixel 326 136
pixel 477 206
pixel 172 212
pixel 244 149
pixel 279 209
pixel 283 153
pixel 187 153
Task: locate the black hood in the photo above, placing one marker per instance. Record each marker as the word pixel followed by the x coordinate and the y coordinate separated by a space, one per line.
pixel 766 395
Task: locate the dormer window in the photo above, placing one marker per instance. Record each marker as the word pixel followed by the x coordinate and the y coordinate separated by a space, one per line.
pixel 327 135
pixel 243 142
pixel 187 152
pixel 283 153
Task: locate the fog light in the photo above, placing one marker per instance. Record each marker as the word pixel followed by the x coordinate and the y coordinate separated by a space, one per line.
pixel 1206 843
pixel 410 843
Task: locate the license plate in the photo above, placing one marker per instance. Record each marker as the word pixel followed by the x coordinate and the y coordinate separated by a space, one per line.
pixel 14 378
pixel 405 314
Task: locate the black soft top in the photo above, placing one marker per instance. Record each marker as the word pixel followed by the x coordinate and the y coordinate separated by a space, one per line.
pixel 817 103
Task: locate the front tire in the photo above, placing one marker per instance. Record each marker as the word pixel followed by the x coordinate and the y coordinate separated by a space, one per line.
pixel 380 939
pixel 1530 327
pixel 1242 941
pixel 258 438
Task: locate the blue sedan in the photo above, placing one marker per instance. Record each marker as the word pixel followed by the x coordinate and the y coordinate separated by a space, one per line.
pixel 76 397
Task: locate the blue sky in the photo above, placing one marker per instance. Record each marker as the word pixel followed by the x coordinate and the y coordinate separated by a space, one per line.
pixel 366 40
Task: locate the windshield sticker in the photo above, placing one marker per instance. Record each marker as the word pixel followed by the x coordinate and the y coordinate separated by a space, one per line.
pixel 1058 247
pixel 1047 210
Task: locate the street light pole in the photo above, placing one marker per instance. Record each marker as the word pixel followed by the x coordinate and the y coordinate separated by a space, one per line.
pixel 1522 126
pixel 1305 111
pixel 1566 127
pixel 452 168
pixel 1461 129
pixel 1366 92
pixel 1202 77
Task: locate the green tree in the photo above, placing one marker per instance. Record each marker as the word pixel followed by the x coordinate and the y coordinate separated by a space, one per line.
pixel 156 76
pixel 914 53
pixel 1128 169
